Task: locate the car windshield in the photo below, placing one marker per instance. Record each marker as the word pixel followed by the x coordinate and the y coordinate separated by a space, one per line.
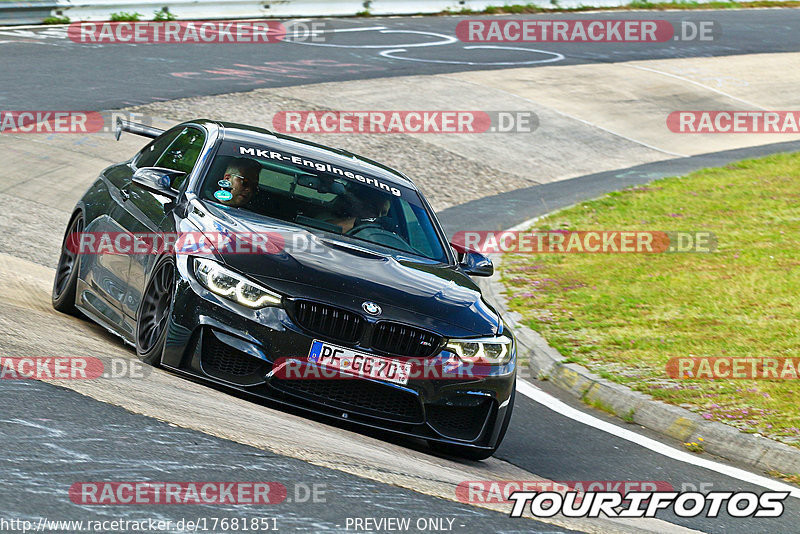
pixel 321 195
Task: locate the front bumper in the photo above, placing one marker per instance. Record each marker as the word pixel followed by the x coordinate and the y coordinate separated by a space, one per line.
pixel 228 344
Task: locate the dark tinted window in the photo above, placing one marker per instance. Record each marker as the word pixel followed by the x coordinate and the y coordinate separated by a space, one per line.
pixel 182 154
pixel 322 196
pixel 150 154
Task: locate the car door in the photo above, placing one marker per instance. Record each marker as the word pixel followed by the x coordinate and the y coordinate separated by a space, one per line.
pixel 144 212
pixel 106 274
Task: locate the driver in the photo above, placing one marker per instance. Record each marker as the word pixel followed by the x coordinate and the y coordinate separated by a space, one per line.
pixel 344 212
pixel 242 173
pixel 366 208
pixel 376 207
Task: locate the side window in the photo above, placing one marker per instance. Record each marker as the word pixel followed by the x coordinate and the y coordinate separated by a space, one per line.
pixel 182 154
pixel 150 154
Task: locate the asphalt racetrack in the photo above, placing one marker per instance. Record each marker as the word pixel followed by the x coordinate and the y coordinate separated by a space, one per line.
pixel 165 427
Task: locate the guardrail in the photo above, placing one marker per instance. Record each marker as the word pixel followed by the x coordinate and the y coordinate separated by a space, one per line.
pixel 26 12
pixel 97 10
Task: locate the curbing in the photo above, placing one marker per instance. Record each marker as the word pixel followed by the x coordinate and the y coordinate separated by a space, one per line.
pixel 675 422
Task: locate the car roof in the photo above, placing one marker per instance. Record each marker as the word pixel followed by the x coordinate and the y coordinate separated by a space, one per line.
pixel 231 131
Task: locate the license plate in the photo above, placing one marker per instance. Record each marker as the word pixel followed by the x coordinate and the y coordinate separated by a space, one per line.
pixel 360 364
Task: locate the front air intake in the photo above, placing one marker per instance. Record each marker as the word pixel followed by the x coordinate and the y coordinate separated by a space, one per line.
pixel 328 321
pixel 402 340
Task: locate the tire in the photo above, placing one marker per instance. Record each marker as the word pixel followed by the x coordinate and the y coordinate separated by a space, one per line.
pixel 66 280
pixel 153 315
pixel 469 453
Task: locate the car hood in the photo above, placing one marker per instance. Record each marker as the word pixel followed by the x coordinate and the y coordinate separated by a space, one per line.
pixel 344 272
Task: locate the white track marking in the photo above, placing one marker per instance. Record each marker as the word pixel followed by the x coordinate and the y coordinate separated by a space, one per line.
pixel 687 80
pixel 557 56
pixel 446 39
pixel 342 30
pixel 550 402
pixel 50 33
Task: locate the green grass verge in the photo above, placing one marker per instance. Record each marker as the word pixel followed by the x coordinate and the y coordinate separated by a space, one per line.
pixel 625 315
pixel 635 4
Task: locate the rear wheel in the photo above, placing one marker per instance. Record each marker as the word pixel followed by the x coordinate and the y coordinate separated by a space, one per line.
pixel 470 453
pixel 153 316
pixel 66 280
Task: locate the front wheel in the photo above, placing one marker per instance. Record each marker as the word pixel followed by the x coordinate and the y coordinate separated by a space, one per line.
pixel 66 280
pixel 470 453
pixel 153 316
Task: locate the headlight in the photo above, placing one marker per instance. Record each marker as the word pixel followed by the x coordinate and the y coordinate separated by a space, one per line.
pixel 232 286
pixel 493 350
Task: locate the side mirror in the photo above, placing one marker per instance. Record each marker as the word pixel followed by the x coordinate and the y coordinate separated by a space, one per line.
pixel 157 180
pixel 473 263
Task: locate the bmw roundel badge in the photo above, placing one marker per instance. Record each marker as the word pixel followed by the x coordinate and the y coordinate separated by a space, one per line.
pixel 371 308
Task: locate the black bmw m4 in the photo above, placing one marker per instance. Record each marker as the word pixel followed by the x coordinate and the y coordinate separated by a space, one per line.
pixel 295 272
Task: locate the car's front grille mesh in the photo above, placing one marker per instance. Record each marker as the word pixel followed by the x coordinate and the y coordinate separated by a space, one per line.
pixel 402 340
pixel 328 321
pixel 459 422
pixel 221 357
pixel 356 395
